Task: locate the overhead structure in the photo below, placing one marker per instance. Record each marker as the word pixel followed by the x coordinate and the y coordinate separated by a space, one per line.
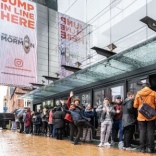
pixel 137 57
pixel 103 52
pixel 37 84
pixel 51 78
pixel 151 23
pixel 70 68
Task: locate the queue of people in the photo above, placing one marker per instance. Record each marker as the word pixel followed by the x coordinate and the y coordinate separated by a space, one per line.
pixel 124 116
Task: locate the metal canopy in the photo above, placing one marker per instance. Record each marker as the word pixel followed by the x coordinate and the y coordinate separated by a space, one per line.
pixel 69 68
pixel 140 56
pixel 103 52
pixel 51 78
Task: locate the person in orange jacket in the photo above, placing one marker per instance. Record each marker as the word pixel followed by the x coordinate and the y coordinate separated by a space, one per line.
pixel 147 126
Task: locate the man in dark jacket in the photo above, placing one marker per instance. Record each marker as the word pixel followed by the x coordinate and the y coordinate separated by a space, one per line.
pixel 128 120
pixel 118 121
pixel 79 120
pixel 58 120
pixel 37 123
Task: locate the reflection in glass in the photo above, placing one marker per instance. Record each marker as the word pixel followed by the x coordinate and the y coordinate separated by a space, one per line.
pixel 99 97
pixel 119 90
pixel 136 86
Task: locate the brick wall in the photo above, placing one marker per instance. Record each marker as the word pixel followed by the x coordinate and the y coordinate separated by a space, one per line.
pixel 15 102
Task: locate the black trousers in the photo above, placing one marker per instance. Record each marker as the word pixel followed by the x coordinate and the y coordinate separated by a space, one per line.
pixel 44 127
pixel 147 129
pixel 36 129
pixel 73 129
pixel 128 135
pixel 59 133
pixel 80 125
pixel 50 129
pixel 28 129
pixel 21 127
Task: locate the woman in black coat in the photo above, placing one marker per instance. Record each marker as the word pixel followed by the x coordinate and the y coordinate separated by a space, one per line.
pixel 58 120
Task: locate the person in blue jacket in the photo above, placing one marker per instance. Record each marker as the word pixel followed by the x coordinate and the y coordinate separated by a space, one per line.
pixel 79 120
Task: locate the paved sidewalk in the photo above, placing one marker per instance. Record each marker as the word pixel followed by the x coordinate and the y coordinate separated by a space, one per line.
pixel 16 144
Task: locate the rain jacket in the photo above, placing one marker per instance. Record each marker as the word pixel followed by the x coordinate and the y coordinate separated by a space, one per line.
pixel 28 114
pixel 149 97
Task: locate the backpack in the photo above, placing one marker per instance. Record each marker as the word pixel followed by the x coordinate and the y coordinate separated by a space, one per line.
pixel 25 117
pixel 34 118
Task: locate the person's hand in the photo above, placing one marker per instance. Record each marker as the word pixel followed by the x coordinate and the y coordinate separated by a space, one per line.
pixel 108 110
pixel 95 106
pixel 62 102
pixel 89 119
pixel 71 94
pixel 118 111
pixel 104 109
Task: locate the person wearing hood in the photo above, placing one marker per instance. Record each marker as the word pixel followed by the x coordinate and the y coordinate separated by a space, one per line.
pixel 118 121
pixel 147 126
pixel 28 121
pixel 129 120
pixel 58 120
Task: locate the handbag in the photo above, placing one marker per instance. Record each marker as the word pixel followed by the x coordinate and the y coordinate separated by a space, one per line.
pixel 146 110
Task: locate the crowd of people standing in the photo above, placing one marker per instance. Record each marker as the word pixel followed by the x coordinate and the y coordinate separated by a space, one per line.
pixel 72 120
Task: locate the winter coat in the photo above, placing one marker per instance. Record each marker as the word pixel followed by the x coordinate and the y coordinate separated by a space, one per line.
pixel 28 114
pixel 90 114
pixel 149 97
pixel 38 122
pixel 58 118
pixel 103 113
pixel 50 117
pixel 75 114
pixel 118 106
pixel 68 116
pixel 129 116
pixel 45 117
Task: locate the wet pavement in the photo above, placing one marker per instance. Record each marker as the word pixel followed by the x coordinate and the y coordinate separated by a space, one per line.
pixel 16 144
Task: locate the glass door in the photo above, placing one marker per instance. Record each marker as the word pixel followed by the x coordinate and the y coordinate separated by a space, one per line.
pixel 114 91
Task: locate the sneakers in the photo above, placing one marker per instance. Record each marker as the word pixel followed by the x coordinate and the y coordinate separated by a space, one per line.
pixel 107 144
pixel 100 145
pixel 112 143
pixel 120 145
pixel 130 149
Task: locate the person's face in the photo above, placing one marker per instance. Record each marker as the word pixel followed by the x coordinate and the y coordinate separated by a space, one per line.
pixel 38 110
pixel 76 103
pixel 118 100
pixel 131 97
pixel 106 102
pixel 44 109
pixel 89 107
pixel 72 107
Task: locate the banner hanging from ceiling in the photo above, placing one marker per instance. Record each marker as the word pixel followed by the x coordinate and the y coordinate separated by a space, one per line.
pixel 18 43
pixel 73 42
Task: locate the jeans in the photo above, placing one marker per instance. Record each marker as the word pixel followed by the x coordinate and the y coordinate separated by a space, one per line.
pixel 147 129
pixel 117 124
pixel 80 125
pixel 128 135
pixel 73 129
pixel 54 129
pixel 106 127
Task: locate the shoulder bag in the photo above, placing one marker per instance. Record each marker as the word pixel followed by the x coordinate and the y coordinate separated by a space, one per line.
pixel 146 110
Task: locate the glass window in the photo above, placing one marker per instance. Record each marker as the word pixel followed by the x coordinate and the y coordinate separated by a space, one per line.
pixel 136 86
pixel 99 97
pixel 85 99
pixel 114 91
